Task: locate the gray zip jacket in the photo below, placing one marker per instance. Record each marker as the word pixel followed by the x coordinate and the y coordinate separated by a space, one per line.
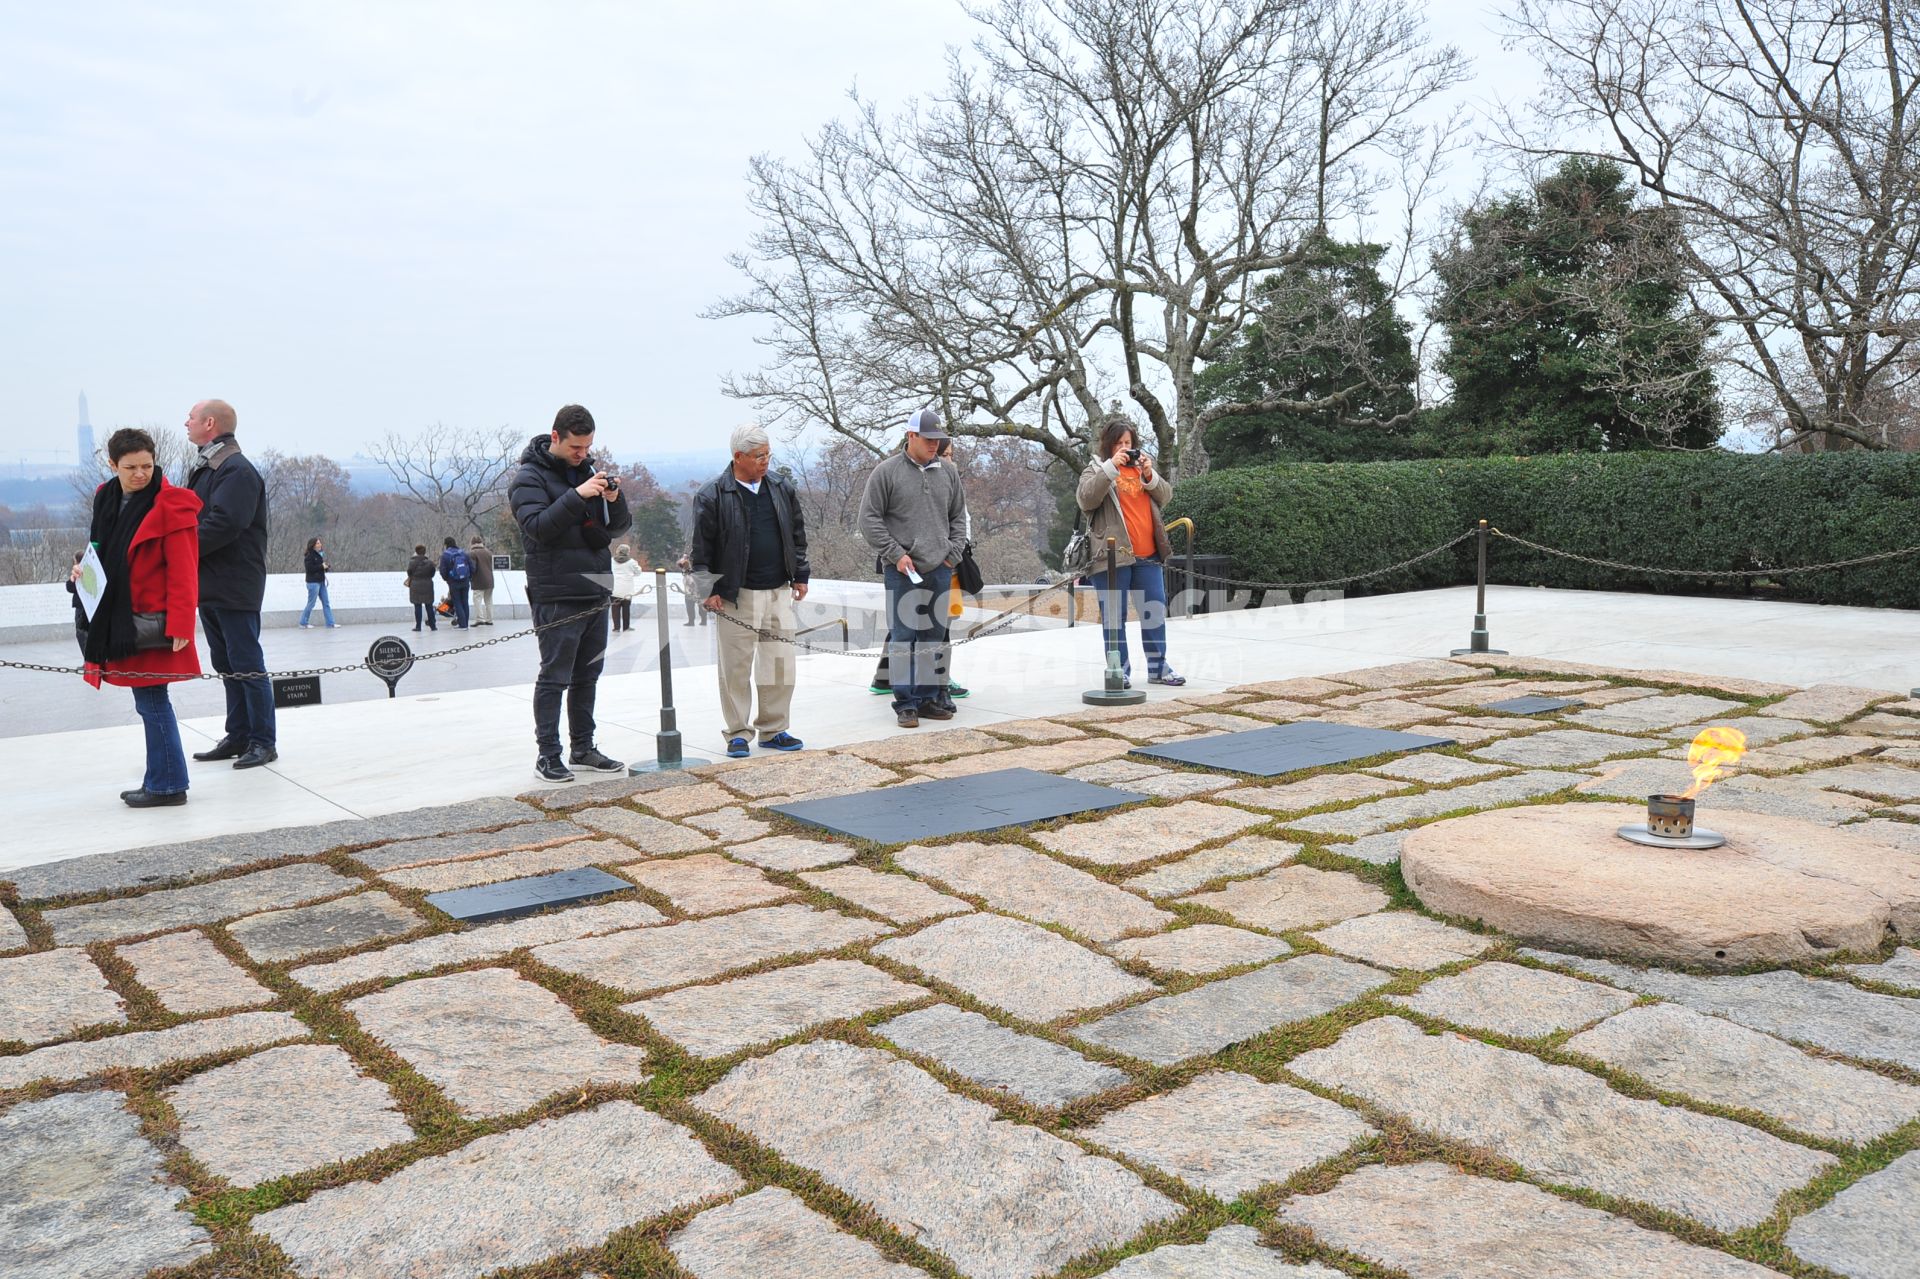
pixel 910 510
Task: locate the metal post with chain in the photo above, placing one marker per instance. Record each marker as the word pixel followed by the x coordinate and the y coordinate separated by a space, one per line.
pixel 1477 638
pixel 666 742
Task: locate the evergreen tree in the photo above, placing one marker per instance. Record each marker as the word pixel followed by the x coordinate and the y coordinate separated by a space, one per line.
pixel 1563 309
pixel 1326 327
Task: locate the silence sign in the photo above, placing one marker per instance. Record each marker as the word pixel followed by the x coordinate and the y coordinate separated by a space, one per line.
pixel 390 658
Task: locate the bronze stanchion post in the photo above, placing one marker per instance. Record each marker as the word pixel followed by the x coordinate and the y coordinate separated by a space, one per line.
pixel 1115 691
pixel 666 743
pixel 1477 639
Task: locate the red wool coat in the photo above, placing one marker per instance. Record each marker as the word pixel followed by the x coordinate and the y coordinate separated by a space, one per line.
pixel 164 573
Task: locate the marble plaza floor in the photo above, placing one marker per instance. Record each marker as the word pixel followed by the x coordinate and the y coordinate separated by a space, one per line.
pixel 1207 1035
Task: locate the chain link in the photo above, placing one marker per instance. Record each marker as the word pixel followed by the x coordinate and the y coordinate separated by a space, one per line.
pixel 1332 581
pixel 994 627
pixel 1704 572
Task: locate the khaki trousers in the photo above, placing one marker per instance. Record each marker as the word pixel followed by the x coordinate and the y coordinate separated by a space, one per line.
pixel 749 664
pixel 483 606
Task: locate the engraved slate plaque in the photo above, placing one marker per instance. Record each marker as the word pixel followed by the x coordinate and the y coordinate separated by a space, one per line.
pixel 524 896
pixel 1531 705
pixel 1288 748
pixel 956 806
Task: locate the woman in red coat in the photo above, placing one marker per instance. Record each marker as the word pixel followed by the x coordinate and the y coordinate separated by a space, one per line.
pixel 141 632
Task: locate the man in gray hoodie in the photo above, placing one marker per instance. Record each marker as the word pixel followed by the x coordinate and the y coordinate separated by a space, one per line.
pixel 914 514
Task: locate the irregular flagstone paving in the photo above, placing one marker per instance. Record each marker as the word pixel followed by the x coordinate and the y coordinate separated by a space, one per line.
pixel 1248 855
pixel 1021 882
pixel 1017 966
pixel 1231 1252
pixel 655 958
pixel 1522 1002
pixel 1565 1125
pixel 1401 939
pixel 1561 747
pixel 1826 702
pixel 1328 788
pixel 207 903
pixel 189 975
pixel 707 883
pixel 648 834
pixel 83 1196
pixel 1902 970
pixel 1871 1229
pixel 1033 1069
pixel 143 1049
pixel 446 848
pixel 1372 818
pixel 48 996
pixel 506 1200
pixel 1203 948
pixel 713 1021
pixel 1293 897
pixel 12 935
pixel 771 1234
pixel 333 925
pixel 442 876
pixel 1142 834
pixel 785 852
pixel 1644 713
pixel 892 897
pixel 1000 1200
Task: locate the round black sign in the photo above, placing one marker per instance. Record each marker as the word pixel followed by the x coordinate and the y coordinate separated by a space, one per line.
pixel 390 658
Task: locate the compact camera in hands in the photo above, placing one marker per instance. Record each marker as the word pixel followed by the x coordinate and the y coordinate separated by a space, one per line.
pixel 1130 457
pixel 612 482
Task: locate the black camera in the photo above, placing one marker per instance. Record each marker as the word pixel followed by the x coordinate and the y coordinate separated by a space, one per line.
pixel 1130 457
pixel 613 482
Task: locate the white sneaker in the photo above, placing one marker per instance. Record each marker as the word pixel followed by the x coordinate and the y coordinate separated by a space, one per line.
pixel 306 626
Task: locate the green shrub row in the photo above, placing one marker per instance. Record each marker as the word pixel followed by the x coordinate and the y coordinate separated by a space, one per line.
pixel 1310 521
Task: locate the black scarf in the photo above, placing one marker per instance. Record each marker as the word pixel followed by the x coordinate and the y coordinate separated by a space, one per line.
pixel 116 518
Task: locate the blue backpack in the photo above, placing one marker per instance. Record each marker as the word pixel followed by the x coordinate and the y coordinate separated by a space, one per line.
pixel 460 568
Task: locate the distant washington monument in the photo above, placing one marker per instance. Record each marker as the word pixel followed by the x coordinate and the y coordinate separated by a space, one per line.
pixel 84 434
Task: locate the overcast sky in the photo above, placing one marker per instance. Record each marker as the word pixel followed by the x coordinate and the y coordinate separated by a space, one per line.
pixel 347 216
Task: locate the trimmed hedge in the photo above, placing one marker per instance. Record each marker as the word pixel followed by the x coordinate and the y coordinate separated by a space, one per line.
pixel 1307 521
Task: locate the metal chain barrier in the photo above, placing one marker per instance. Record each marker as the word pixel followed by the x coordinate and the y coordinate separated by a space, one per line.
pixel 1333 581
pixel 1709 573
pixel 1001 623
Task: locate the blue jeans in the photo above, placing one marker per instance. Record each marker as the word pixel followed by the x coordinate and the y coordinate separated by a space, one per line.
pixel 457 597
pixel 166 760
pixel 424 612
pixel 917 636
pixel 233 644
pixel 1144 584
pixel 317 591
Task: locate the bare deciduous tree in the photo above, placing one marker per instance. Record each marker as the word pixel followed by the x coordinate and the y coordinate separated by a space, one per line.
pixel 1785 134
pixel 459 475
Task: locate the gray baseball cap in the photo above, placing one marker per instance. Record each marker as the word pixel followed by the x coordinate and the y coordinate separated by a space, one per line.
pixel 926 424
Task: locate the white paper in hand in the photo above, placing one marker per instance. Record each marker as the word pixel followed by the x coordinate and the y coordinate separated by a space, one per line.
pixel 92 583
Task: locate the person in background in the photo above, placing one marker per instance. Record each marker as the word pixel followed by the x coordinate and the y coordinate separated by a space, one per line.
pixel 233 581
pixel 146 534
pixel 420 588
pixel 626 585
pixel 457 569
pixel 1122 495
pixel 688 589
pixel 316 561
pixel 482 583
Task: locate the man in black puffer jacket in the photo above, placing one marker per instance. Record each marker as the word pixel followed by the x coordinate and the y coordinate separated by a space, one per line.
pixel 233 581
pixel 569 513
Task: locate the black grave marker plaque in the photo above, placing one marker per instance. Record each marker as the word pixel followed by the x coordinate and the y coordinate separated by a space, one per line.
pixel 1531 705
pixel 1287 748
pixel 524 896
pixel 956 806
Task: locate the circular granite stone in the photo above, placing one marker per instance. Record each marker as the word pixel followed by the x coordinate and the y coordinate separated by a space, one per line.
pixel 1779 890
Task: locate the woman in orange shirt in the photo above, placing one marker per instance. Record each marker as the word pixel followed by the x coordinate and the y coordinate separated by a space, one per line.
pixel 1122 494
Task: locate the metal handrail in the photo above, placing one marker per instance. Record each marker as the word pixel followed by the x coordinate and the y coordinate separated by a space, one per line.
pixel 1186 598
pixel 846 632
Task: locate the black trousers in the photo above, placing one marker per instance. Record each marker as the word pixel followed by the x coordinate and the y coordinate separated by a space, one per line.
pixel 571 656
pixel 623 614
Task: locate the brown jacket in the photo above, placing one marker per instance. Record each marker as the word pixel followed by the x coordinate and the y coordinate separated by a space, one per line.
pixel 1102 505
pixel 482 566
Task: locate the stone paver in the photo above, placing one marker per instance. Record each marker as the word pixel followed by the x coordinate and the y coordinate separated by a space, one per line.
pixel 1370 819
pixel 918 748
pixel 772 1234
pixel 1682 1051
pixel 1115 772
pixel 1017 966
pixel 1879 723
pixel 1401 939
pixel 1767 796
pixel 1178 785
pixel 1827 1014
pixel 1523 1002
pixel 1208 1018
pixel 1827 703
pixel 1390 712
pixel 794 774
pixel 701 797
pixel 1758 731
pixel 1377 850
pixel 731 825
pixel 707 883
pixel 1891 781
pixel 442 876
pixel 655 958
pixel 892 897
pixel 1311 792
pixel 1903 835
pixel 1423 671
pixel 1036 730
pixel 283 1111
pixel 980 1049
pixel 1223 723
pixel 86 1197
pixel 1000 1200
pixel 1228 1133
pixel 1154 729
pixel 1433 1222
pixel 1561 748
pixel 1293 897
pixel 790 853
pixel 1201 949
pixel 1142 834
pixel 492 1040
pixel 171 908
pixel 50 995
pixel 12 935
pixel 648 834
pixel 1307 686
pixel 1642 714
pixel 188 974
pixel 1022 882
pixel 1435 770
pixel 502 1201
pixel 1231 1252
pixel 1564 1124
pixel 713 1021
pixel 1465 733
pixel 489 941
pixel 144 1049
pixel 1788 756
pixel 1051 757
pixel 1871 1230
pixel 447 848
pixel 1248 855
pixel 307 930
pixel 612 790
pixel 1281 709
pixel 1902 970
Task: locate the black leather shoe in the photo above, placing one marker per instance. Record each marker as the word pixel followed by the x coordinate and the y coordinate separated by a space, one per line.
pixel 934 711
pixel 147 799
pixel 225 748
pixel 256 756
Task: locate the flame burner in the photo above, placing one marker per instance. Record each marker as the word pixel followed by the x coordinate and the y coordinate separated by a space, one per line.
pixel 1669 824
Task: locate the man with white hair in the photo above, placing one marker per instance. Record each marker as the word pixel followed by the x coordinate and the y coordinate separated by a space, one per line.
pixel 749 550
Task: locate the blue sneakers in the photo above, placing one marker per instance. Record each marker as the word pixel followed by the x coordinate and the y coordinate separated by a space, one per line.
pixel 781 742
pixel 737 748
